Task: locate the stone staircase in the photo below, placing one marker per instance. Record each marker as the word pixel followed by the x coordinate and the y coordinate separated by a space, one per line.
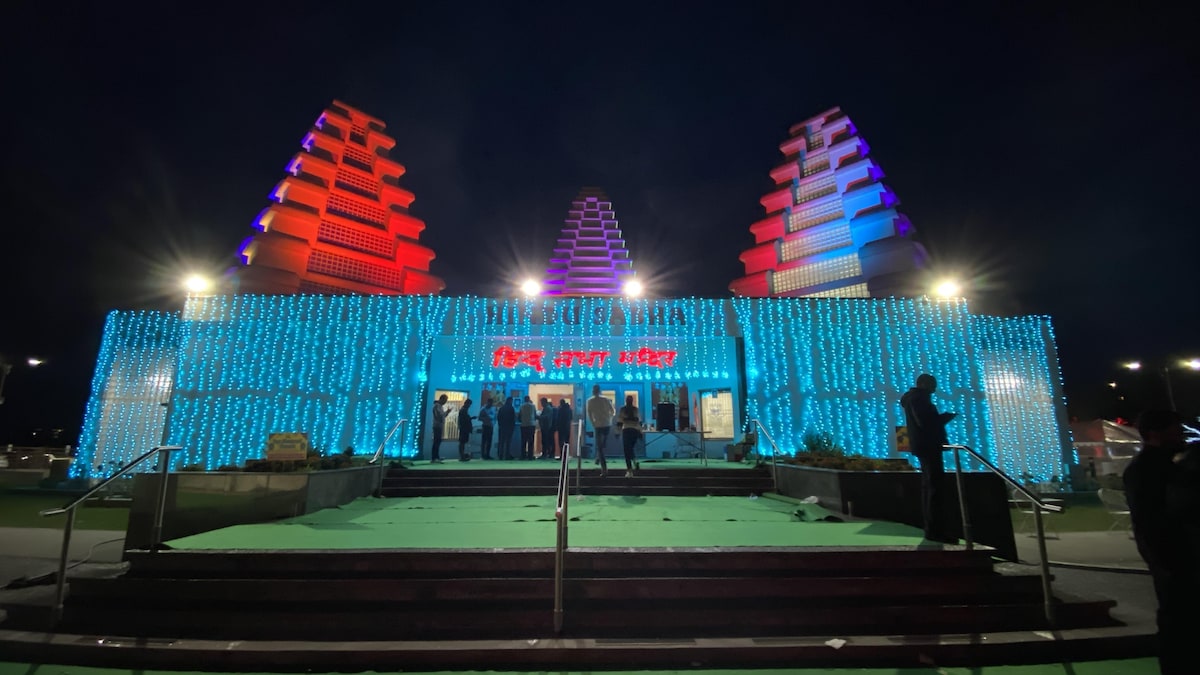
pixel 543 480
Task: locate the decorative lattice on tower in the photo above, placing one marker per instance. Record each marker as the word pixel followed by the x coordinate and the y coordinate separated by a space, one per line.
pixel 590 257
pixel 339 222
pixel 832 229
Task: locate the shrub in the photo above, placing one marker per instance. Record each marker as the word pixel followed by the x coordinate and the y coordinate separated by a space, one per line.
pixel 821 444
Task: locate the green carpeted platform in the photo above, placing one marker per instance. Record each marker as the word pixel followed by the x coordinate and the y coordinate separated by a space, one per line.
pixel 1121 667
pixel 528 522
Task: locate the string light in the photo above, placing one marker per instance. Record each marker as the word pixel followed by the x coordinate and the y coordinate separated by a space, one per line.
pixel 344 369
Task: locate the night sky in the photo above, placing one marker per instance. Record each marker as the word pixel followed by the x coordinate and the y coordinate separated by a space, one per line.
pixel 1047 156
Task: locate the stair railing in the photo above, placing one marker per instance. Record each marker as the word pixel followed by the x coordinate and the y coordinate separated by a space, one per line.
pixel 164 465
pixel 775 451
pixel 560 543
pixel 1038 506
pixel 379 454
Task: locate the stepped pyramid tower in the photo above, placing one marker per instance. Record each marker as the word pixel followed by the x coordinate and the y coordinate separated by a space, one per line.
pixel 832 229
pixel 590 257
pixel 339 222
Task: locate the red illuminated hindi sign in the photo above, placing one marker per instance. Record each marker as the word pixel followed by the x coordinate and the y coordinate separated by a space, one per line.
pixel 507 357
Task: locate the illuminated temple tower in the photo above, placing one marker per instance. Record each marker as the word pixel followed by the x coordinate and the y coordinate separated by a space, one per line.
pixel 831 229
pixel 339 220
pixel 590 257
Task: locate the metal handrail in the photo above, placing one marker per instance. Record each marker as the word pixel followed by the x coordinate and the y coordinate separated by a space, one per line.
pixel 560 543
pixel 164 461
pixel 379 454
pixel 775 452
pixel 1037 505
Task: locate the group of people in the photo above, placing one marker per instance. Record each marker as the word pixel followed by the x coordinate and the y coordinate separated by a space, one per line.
pixel 553 422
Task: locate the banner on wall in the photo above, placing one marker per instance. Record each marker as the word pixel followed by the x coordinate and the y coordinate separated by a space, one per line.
pixel 287 446
pixel 902 444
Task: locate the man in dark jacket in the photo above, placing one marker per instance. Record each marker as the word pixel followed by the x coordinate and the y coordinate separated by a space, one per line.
pixel 506 419
pixel 1159 483
pixel 562 421
pixel 546 426
pixel 438 427
pixel 926 436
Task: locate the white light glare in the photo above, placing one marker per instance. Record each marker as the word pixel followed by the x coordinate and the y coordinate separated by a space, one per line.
pixel 531 287
pixel 1134 365
pixel 196 283
pixel 634 288
pixel 948 288
pixel 34 361
pixel 1194 364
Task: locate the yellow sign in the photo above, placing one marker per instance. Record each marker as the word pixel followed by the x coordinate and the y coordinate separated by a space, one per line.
pixel 289 446
pixel 902 440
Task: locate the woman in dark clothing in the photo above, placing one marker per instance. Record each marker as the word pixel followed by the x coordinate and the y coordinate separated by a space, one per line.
pixel 546 426
pixel 631 431
pixel 562 420
pixel 464 430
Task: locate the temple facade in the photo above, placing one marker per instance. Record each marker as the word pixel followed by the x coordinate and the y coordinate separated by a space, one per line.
pixel 589 257
pixel 832 229
pixel 338 221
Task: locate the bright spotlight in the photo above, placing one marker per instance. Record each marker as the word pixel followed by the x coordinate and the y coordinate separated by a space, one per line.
pixel 634 288
pixel 34 362
pixel 531 287
pixel 197 283
pixel 1133 365
pixel 948 288
pixel 1194 364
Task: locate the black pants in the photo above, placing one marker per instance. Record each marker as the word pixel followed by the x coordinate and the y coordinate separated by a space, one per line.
pixel 463 438
pixel 485 443
pixel 932 495
pixel 601 442
pixel 437 442
pixel 503 445
pixel 1177 597
pixel 527 442
pixel 547 444
pixel 629 437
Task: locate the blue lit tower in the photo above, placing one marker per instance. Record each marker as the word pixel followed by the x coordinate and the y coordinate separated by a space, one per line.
pixel 590 257
pixel 832 229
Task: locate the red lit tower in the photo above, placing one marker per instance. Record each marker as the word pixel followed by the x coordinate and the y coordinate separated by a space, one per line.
pixel 339 221
pixel 831 229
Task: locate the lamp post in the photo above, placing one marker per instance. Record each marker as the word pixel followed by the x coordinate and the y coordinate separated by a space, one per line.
pixel 1165 371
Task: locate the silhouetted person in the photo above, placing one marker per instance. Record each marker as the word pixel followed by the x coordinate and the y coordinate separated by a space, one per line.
pixel 631 431
pixel 506 419
pixel 439 427
pixel 926 436
pixel 546 426
pixel 600 413
pixel 528 419
pixel 1160 486
pixel 464 431
pixel 487 419
pixel 562 423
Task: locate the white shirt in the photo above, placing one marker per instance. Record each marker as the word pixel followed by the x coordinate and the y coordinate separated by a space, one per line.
pixel 600 411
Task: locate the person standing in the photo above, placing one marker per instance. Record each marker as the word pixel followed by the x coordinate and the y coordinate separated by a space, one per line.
pixel 546 427
pixel 506 418
pixel 464 431
pixel 439 427
pixel 562 423
pixel 528 419
pixel 600 413
pixel 1160 487
pixel 926 436
pixel 487 419
pixel 631 431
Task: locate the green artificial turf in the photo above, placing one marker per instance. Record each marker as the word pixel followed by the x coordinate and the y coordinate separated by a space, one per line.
pixel 528 522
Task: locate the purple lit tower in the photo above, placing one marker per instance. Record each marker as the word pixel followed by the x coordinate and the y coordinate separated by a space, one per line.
pixel 590 257
pixel 832 229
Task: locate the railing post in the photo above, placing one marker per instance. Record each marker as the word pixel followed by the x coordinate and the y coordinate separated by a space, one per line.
pixel 164 467
pixel 962 501
pixel 61 582
pixel 1047 598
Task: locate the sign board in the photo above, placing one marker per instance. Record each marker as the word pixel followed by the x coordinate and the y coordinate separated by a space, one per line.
pixel 287 446
pixel 902 440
